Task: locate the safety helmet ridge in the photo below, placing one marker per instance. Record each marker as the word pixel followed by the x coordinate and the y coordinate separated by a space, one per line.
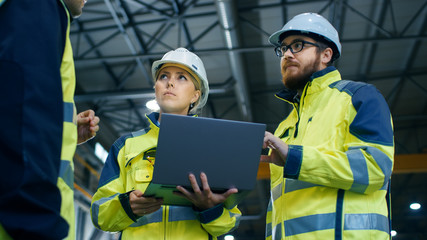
pixel 190 61
pixel 309 24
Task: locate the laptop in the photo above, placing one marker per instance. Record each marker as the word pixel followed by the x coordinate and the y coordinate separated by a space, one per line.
pixel 227 151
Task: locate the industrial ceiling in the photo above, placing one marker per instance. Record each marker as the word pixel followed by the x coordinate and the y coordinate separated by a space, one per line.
pixel 384 44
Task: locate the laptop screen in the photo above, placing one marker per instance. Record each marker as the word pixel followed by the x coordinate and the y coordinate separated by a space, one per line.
pixel 227 151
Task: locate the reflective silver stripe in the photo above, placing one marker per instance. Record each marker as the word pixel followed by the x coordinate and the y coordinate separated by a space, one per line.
pixel 318 222
pixel 66 173
pixel 309 223
pixel 140 132
pixel 68 112
pixel 268 230
pixel 366 221
pixel 270 205
pixel 277 232
pixel 95 209
pixel 360 171
pixel 384 162
pixel 237 222
pixel 154 217
pixel 178 213
pixel 236 215
pixel 293 185
pixel 277 191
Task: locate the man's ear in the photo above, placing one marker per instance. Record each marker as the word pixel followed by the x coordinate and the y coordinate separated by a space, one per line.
pixel 326 56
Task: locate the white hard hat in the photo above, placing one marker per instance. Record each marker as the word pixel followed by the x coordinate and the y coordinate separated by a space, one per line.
pixel 192 62
pixel 310 24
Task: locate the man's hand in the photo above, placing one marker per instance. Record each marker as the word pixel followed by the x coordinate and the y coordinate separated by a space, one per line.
pixel 87 126
pixel 203 199
pixel 143 205
pixel 279 150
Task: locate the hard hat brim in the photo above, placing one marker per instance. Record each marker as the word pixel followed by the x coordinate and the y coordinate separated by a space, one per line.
pixel 274 39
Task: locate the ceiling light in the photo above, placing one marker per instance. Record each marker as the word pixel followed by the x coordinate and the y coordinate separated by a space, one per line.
pixel 415 206
pixel 393 233
pixel 152 105
pixel 100 152
pixel 229 237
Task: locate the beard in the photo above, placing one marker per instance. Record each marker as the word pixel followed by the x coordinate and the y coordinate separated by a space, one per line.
pixel 297 80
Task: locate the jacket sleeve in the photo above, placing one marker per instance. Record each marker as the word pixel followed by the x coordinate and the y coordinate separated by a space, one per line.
pixel 107 211
pixel 364 163
pixel 219 220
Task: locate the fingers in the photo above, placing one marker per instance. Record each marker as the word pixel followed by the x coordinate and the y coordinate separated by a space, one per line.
pixel 203 199
pixel 183 193
pixel 187 194
pixel 141 205
pixel 82 120
pixel 94 125
pixel 146 210
pixel 268 140
pixel 194 183
pixel 265 158
pixel 230 192
pixel 94 121
pixel 89 120
pixel 205 183
pixel 137 192
pixel 87 116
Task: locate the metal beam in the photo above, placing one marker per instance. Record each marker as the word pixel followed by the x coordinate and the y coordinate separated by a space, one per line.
pixel 244 49
pixel 410 163
pixel 413 51
pixel 127 39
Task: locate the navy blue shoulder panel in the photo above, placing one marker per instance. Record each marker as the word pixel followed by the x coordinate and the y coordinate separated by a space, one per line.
pixel 347 86
pixel 373 119
pixel 111 168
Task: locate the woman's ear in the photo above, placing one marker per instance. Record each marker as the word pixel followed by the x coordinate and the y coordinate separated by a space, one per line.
pixel 196 96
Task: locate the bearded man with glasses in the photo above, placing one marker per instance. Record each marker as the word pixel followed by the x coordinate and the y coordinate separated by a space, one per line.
pixel 331 159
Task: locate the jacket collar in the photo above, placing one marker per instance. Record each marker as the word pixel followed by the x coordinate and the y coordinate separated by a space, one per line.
pixel 318 81
pixel 153 119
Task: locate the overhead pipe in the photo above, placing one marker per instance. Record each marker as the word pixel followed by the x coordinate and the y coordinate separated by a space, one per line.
pixel 142 93
pixel 227 13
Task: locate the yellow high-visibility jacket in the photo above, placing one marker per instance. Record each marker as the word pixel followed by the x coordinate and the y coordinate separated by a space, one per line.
pixel 129 166
pixel 335 181
pixel 69 135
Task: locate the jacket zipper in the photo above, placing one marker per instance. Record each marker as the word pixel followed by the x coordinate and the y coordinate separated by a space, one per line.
pixel 299 107
pixel 296 125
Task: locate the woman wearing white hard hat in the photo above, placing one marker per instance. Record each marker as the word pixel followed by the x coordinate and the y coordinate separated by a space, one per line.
pixel 181 87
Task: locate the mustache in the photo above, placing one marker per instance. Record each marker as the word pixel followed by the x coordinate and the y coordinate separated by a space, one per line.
pixel 290 63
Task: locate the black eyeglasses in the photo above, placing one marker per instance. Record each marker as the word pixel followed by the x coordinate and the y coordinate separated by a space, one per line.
pixel 295 47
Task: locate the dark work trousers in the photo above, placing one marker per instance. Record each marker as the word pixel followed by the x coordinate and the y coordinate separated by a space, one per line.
pixel 32 40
